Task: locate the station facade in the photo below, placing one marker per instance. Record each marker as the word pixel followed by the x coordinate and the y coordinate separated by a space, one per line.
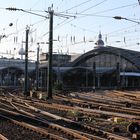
pixel 104 67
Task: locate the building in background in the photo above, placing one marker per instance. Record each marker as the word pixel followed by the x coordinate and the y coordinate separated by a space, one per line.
pixel 12 71
pixel 104 67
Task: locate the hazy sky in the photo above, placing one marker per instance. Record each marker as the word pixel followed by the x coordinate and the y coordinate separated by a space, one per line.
pixel 77 24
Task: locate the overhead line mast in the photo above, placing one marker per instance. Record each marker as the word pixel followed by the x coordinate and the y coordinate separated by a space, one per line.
pixel 49 76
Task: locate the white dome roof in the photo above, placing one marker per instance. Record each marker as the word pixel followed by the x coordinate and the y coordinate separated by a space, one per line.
pixel 99 43
pixel 21 51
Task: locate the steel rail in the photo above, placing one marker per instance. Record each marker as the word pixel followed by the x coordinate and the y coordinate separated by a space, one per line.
pixel 35 129
pixel 3 137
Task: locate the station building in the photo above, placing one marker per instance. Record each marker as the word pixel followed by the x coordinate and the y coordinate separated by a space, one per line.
pixel 12 71
pixel 104 67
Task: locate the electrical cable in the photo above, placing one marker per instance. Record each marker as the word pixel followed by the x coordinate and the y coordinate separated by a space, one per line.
pixel 93 6
pixel 76 6
pixel 112 9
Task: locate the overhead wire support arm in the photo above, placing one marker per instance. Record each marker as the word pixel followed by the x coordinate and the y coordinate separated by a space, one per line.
pixel 132 20
pixel 120 18
pixel 17 9
pixel 62 15
pixel 50 17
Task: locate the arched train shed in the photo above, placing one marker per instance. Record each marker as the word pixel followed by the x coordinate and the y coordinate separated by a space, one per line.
pixel 105 67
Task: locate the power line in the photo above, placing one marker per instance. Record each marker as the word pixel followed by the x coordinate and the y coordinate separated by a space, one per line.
pixel 22 29
pixel 2 8
pixel 35 3
pixel 94 15
pixel 112 9
pixel 86 10
pixel 83 28
pixel 124 28
pixel 83 15
pixel 93 6
pixel 76 6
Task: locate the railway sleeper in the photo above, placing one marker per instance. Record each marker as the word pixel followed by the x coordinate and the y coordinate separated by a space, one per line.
pixel 67 132
pixel 124 111
pixel 35 129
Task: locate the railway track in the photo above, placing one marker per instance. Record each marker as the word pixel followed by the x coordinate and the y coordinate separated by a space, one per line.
pixel 14 130
pixel 51 130
pixel 3 137
pixel 134 113
pixel 98 106
pixel 54 127
pixel 83 128
pixel 111 98
pixel 102 106
pixel 60 123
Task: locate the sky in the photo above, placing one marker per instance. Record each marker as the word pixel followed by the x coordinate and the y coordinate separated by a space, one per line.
pixel 76 25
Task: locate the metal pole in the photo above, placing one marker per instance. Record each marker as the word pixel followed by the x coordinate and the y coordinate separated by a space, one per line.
pixel 86 78
pixel 118 75
pixel 58 68
pixel 26 64
pixel 49 75
pixel 37 68
pixel 124 66
pixel 94 75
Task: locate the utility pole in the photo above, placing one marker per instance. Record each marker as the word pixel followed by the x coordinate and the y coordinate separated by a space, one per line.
pixel 139 2
pixel 49 75
pixel 94 75
pixel 37 67
pixel 26 92
pixel 118 75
